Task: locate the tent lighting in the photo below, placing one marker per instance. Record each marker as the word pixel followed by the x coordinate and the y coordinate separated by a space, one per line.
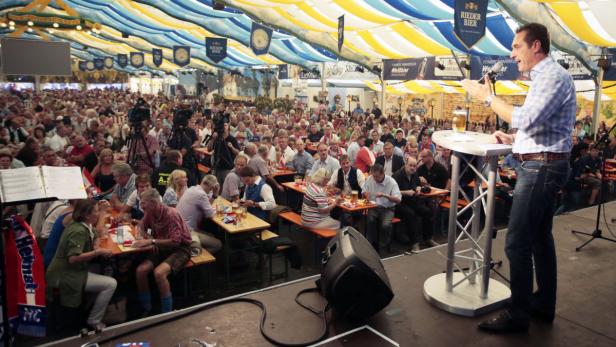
pixel 3 24
pixel 30 23
pixel 12 23
pixel 56 25
pixel 78 27
pixel 30 30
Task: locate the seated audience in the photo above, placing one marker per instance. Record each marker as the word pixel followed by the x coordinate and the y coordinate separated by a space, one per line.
pixel 390 161
pixel 365 157
pixel 436 175
pixel 316 205
pixel 103 172
pixel 68 272
pixel 258 196
pixel 195 207
pixel 169 246
pixel 176 186
pixel 125 184
pixel 302 161
pixel 324 160
pixel 233 186
pixel 385 192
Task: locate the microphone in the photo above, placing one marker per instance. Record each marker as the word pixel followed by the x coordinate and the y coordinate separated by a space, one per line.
pixel 494 70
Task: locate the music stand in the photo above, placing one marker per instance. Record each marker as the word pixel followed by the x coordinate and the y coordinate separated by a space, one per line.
pixel 475 292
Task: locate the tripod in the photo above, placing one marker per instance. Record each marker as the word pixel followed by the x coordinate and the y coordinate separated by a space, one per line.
pixel 134 139
pixel 597 233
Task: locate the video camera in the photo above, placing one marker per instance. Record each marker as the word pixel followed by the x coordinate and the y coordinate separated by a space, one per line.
pixel 139 112
pixel 181 116
pixel 219 122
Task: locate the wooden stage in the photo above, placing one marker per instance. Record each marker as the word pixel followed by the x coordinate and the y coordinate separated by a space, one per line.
pixel 586 309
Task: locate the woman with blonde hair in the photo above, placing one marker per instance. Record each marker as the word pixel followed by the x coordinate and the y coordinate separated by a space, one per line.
pixel 102 172
pixel 176 186
pixel 316 205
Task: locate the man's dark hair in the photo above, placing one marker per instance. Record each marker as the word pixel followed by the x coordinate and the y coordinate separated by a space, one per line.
pixel 377 168
pixel 368 142
pixel 534 32
pixel 247 171
pixel 173 156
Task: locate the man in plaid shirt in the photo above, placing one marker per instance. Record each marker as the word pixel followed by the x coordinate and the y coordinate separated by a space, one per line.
pixel 542 145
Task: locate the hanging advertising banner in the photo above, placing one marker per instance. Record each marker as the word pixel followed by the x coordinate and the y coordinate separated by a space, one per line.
pixel 260 38
pixel 283 72
pixel 480 65
pixel 108 63
pixel 427 68
pixel 340 32
pixel 122 60
pixel 470 21
pixel 309 75
pixel 216 48
pixel 82 65
pixel 181 55
pixel 90 65
pixel 136 59
pixel 99 63
pixel 157 56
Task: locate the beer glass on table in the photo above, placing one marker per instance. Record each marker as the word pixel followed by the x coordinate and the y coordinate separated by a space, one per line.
pixel 458 123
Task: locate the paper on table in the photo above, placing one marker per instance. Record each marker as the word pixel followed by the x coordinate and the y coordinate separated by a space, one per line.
pixel 22 184
pixel 64 182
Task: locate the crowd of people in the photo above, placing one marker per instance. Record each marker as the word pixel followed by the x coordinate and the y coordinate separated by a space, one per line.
pixel 384 159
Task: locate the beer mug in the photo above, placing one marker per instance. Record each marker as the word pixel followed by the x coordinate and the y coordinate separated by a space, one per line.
pixel 458 124
pixel 354 196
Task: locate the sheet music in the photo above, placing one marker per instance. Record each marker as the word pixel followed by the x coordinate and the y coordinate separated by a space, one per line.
pixel 64 182
pixel 22 184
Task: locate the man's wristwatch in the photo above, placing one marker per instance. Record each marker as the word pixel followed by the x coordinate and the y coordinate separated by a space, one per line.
pixel 488 101
pixel 154 242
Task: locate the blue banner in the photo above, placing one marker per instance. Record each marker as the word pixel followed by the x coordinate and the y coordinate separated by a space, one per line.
pixel 260 37
pixel 340 32
pixel 108 63
pixel 181 55
pixel 470 21
pixel 283 72
pixel 136 59
pixel 122 60
pixel 480 65
pixel 99 63
pixel 216 48
pixel 82 65
pixel 427 68
pixel 157 56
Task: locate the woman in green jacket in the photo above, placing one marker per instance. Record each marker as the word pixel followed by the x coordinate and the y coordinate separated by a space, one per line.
pixel 68 270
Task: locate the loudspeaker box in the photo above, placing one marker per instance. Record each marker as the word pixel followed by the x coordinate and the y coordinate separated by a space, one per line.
pixel 353 279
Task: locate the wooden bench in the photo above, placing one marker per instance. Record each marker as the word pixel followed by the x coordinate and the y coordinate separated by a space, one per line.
pixel 296 219
pixel 446 204
pixel 266 235
pixel 204 258
pixel 321 234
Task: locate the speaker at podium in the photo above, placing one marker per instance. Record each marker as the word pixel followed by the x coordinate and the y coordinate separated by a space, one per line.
pixel 353 279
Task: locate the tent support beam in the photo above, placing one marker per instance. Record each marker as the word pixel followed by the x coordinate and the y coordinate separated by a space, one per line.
pixel 596 109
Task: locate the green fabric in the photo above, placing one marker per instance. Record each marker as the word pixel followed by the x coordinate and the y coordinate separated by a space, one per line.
pixel 69 278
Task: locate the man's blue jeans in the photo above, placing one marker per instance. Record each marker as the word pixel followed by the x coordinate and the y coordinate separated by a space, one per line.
pixel 529 236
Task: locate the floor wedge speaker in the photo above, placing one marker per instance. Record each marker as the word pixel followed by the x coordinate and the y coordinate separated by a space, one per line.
pixel 353 279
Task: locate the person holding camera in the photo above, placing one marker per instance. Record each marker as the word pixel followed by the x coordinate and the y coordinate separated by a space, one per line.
pixel 225 149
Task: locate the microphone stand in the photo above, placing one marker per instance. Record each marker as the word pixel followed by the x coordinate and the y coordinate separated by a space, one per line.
pixel 493 82
pixel 597 233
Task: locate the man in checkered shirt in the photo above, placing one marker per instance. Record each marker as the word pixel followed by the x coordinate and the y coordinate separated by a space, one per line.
pixel 542 144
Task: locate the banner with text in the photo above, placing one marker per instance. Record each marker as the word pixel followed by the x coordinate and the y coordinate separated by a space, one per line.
pixel 157 56
pixel 216 48
pixel 283 71
pixel 122 60
pixel 470 21
pixel 428 68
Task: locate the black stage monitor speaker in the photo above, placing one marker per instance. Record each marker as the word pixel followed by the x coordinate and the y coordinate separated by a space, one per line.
pixel 353 279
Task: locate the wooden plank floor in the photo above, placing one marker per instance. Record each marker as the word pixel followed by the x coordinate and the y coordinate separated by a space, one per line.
pixel 586 308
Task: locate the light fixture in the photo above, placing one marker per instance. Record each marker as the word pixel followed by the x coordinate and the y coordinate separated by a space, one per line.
pixel 78 27
pixel 3 24
pixel 30 30
pixel 30 23
pixel 12 23
pixel 56 25
pixel 51 31
pixel 89 32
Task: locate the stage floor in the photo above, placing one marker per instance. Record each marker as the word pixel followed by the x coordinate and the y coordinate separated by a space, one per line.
pixel 586 308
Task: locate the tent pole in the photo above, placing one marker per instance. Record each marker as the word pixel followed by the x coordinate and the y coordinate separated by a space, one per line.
pixel 596 109
pixel 383 90
pixel 323 82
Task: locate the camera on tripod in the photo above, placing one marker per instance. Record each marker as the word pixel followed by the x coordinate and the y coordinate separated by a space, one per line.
pixel 181 116
pixel 139 113
pixel 219 122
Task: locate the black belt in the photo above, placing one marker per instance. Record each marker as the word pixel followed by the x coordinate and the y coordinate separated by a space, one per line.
pixel 542 156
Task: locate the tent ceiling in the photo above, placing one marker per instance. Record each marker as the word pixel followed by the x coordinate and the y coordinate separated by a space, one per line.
pixel 307 30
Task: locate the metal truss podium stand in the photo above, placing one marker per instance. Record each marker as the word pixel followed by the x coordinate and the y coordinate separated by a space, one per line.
pixel 466 288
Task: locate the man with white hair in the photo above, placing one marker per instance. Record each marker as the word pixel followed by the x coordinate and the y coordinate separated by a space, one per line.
pixel 324 161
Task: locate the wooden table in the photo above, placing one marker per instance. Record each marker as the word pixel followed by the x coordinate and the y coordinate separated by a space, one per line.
pixel 435 192
pixel 249 225
pixel 282 172
pixel 301 188
pixel 117 249
pixel 507 174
